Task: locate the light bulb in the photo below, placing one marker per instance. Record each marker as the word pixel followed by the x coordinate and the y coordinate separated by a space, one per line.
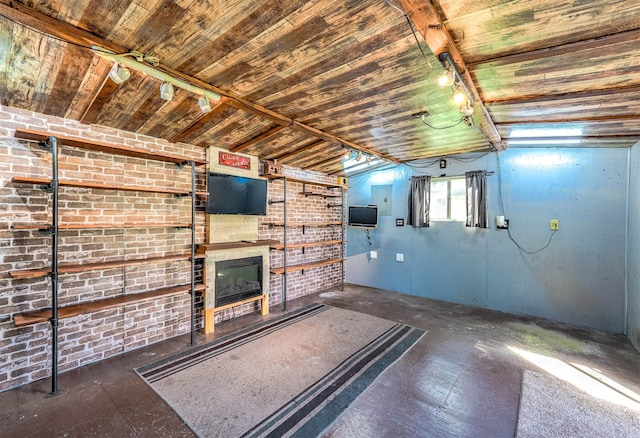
pixel 459 97
pixel 446 79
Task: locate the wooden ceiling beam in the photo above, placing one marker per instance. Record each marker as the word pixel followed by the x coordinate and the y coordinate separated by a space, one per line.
pixel 550 97
pixel 71 34
pixel 300 150
pixel 245 105
pixel 92 112
pixel 271 132
pixel 338 141
pixel 61 30
pixel 65 32
pixel 562 49
pixel 323 162
pixel 53 27
pixel 426 19
pixel 200 122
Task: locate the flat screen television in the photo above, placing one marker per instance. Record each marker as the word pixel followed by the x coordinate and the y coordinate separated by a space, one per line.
pixel 363 216
pixel 230 194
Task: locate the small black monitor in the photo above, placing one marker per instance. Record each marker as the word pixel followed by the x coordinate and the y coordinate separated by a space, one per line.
pixel 362 216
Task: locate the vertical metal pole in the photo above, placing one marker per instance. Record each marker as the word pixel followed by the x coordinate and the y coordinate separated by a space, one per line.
pixel 53 142
pixel 342 209
pixel 193 253
pixel 284 227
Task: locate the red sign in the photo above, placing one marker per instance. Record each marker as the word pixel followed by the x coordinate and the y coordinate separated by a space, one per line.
pixel 233 160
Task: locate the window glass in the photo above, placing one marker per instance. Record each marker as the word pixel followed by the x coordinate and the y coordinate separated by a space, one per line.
pixel 438 206
pixel 458 200
pixel 448 199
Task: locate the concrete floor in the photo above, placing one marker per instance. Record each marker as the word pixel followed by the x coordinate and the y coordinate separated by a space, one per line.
pixel 462 379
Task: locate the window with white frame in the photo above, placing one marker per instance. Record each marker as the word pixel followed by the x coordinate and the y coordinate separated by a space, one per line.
pixel 448 199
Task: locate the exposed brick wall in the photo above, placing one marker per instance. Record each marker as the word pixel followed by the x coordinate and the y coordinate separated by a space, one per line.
pixel 302 208
pixel 25 353
pixel 299 209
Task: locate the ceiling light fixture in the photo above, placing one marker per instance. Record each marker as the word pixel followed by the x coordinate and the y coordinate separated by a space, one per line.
pixel 166 91
pixel 459 97
pixel 447 78
pixel 466 109
pixel 119 74
pixel 146 65
pixel 461 93
pixel 347 154
pixel 204 104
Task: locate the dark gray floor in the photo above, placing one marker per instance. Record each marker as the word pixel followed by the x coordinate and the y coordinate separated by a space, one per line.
pixel 462 379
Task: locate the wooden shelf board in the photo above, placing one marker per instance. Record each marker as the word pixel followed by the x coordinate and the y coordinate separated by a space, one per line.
pixel 302 181
pixel 28 318
pixel 102 186
pixel 99 146
pixel 273 177
pixel 236 244
pixel 301 224
pixel 45 227
pixel 84 267
pixel 280 246
pixel 239 303
pixel 324 195
pixel 301 267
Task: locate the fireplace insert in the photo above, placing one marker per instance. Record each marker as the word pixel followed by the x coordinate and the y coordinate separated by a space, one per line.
pixel 238 279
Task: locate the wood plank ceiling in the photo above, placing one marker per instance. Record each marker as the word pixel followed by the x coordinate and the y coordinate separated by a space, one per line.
pixel 306 81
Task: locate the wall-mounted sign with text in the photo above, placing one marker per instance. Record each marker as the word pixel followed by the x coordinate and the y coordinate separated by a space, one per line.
pixel 233 160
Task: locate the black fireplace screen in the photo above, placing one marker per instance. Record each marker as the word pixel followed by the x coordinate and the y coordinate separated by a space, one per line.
pixel 238 279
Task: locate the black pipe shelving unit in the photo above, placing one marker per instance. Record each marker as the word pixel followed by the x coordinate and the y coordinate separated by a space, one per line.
pixel 53 144
pixel 53 315
pixel 324 195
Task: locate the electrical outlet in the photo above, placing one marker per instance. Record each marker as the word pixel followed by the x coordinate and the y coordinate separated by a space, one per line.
pixel 554 224
pixel 399 257
pixel 373 254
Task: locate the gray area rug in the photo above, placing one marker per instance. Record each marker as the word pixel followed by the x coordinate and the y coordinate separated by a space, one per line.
pixel 552 407
pixel 290 376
